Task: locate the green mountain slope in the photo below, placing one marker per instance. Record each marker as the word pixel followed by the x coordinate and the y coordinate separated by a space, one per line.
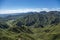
pixel 32 26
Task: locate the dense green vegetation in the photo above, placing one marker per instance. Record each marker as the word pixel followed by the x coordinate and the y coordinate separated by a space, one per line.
pixel 31 26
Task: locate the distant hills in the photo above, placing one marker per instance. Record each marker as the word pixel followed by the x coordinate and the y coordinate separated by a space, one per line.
pixel 30 26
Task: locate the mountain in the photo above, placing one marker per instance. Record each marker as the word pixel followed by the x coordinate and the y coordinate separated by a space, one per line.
pixel 38 19
pixel 31 26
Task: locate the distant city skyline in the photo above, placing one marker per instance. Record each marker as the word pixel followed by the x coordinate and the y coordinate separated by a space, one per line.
pixel 18 6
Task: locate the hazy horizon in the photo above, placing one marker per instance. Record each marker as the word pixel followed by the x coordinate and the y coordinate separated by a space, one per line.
pixel 20 6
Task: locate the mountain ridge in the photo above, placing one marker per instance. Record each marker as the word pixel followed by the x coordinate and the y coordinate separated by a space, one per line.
pixel 31 26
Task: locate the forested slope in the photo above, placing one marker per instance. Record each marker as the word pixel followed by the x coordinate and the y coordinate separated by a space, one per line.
pixel 33 26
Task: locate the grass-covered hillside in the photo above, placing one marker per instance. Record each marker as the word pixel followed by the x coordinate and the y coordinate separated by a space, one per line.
pixel 31 26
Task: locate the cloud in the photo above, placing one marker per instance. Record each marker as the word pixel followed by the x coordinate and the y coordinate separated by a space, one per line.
pixel 28 10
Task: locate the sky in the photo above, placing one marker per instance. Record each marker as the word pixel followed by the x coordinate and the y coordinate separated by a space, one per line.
pixel 18 6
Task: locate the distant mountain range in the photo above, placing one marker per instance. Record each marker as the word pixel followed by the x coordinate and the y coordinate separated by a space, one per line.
pixel 14 14
pixel 30 26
